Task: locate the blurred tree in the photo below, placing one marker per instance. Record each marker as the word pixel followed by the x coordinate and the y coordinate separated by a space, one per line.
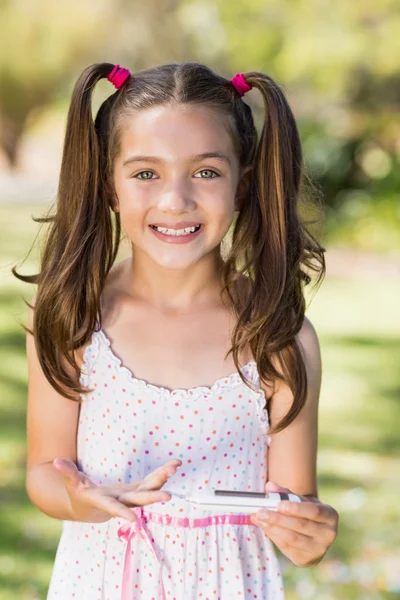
pixel 40 45
pixel 151 33
pixel 338 63
pixel 45 44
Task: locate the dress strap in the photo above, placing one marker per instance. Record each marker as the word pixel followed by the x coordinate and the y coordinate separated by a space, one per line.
pixel 251 372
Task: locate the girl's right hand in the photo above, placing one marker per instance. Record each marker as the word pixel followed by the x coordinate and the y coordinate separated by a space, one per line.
pixel 98 503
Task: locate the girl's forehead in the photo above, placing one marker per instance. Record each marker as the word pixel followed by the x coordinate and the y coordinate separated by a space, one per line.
pixel 195 128
pixel 189 113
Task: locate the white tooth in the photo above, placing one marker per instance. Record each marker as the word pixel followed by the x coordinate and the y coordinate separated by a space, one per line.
pixel 176 232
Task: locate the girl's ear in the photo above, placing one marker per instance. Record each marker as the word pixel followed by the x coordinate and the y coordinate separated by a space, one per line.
pixel 113 198
pixel 243 186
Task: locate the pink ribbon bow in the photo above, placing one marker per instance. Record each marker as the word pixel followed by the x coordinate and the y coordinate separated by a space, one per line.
pixel 127 532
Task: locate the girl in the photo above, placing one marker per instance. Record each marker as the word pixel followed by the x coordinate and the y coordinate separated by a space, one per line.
pixel 192 359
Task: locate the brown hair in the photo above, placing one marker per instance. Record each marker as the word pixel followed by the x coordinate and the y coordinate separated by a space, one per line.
pixel 270 243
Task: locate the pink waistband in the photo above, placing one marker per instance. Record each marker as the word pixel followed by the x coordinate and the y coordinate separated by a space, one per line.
pixel 127 531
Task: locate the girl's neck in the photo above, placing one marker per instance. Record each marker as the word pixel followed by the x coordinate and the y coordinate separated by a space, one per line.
pixel 176 291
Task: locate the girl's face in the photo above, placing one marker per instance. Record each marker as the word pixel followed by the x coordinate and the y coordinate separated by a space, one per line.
pixel 162 181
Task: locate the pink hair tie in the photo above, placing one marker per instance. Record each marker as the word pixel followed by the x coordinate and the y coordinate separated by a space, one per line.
pixel 118 76
pixel 240 84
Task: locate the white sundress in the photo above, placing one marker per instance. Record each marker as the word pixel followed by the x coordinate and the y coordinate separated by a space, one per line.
pixel 128 427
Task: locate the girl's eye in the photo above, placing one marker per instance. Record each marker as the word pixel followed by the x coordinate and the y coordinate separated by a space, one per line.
pixel 141 173
pixel 208 171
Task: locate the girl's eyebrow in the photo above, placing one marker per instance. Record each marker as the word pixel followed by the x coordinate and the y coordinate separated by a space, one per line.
pixel 155 159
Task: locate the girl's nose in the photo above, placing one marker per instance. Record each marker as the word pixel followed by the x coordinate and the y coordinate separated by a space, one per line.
pixel 177 198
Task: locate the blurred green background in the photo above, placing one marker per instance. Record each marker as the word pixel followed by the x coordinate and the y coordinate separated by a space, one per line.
pixel 338 64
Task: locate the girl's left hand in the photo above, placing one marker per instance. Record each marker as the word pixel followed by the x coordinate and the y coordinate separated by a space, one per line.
pixel 304 532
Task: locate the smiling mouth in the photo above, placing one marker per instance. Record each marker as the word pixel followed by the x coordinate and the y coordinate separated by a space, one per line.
pixel 176 232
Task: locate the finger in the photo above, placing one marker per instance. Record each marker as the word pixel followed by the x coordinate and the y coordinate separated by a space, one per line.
pixel 152 481
pixel 114 508
pixel 175 462
pixel 113 489
pixel 314 511
pixel 145 484
pixel 169 467
pixel 286 539
pixel 271 486
pixel 156 479
pixel 70 471
pixel 304 526
pixel 141 498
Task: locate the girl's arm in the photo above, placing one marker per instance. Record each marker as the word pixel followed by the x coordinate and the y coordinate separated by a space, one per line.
pixel 52 422
pixel 303 532
pixel 292 458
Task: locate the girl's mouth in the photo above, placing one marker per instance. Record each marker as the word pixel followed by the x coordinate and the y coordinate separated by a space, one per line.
pixel 176 236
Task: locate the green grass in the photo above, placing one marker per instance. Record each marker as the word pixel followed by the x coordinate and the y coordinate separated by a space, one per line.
pixel 359 444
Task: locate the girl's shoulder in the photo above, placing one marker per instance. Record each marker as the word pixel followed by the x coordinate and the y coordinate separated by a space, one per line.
pixel 308 342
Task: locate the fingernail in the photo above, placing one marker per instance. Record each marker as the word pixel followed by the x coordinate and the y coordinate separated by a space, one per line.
pixel 263 515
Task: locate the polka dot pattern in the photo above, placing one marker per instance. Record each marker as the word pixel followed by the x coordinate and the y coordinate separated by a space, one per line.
pixel 128 427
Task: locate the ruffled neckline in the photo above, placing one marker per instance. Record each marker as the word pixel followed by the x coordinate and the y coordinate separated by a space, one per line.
pixel 229 381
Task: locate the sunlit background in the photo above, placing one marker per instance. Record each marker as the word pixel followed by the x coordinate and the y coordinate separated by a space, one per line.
pixel 338 63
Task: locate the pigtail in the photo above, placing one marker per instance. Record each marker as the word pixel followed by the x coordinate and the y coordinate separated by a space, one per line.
pixel 271 245
pixel 81 245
